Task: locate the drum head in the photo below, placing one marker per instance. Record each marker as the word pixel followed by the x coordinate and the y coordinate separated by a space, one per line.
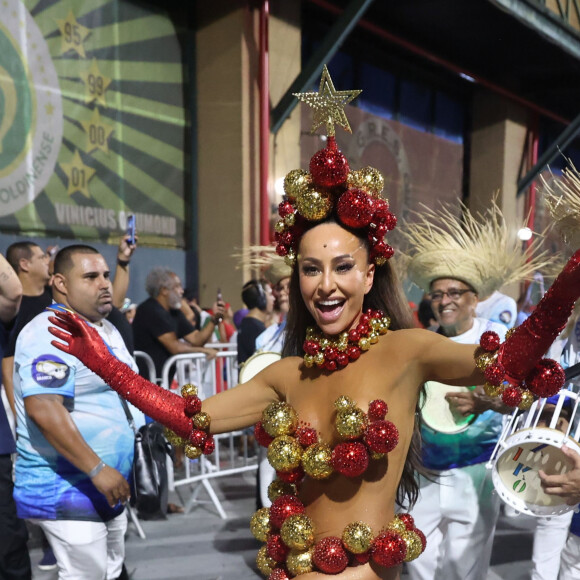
pixel 256 363
pixel 436 412
pixel 515 474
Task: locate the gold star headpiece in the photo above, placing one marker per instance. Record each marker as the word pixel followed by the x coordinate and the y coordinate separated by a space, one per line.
pixel 328 104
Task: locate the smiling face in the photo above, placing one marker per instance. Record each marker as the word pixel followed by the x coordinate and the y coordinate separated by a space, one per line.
pixel 453 303
pixel 335 275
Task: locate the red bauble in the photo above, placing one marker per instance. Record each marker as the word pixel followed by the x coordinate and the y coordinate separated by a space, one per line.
pixel 489 341
pixel 192 405
pixel 408 520
pixel 329 166
pixel 285 208
pixel 330 353
pixel 390 221
pixel 330 365
pixel 286 238
pixel 329 555
pixel 353 353
pixel 293 476
pixel 281 249
pixel 306 436
pixel 342 359
pixel 494 374
pixel 382 212
pixel 284 507
pixel 546 379
pixel 355 208
pixel 261 436
pixel 512 396
pixel 353 335
pixel 198 437
pixel 381 436
pixel 279 574
pixel 388 549
pixel 378 409
pixel 351 459
pixel 276 548
pixel 311 347
pixel 209 445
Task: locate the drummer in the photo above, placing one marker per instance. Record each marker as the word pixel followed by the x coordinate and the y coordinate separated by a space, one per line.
pixel 456 508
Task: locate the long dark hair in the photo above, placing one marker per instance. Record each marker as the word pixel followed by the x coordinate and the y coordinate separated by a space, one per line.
pixel 386 294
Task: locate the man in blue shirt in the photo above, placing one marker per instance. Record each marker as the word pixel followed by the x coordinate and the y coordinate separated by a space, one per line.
pixel 75 447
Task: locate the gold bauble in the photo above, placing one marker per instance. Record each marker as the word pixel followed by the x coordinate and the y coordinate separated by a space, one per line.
pixel 374 337
pixel 491 390
pixel 284 453
pixel 201 420
pixel 527 400
pixel 308 360
pixel 351 423
pixel 380 260
pixel 375 455
pixel 290 258
pixel 372 180
pixel 280 226
pixel 484 360
pixel 375 323
pixel 290 219
pixel 509 333
pixel 264 562
pixel 260 524
pixel 189 390
pixel 414 545
pixel 316 461
pixel 279 419
pixel 343 403
pixel 192 451
pixel 314 205
pixel 279 488
pixel 324 343
pixel 299 561
pixel 319 358
pixel 297 532
pixel 174 438
pixel 364 343
pixel 357 537
pixel 296 182
pixel 397 525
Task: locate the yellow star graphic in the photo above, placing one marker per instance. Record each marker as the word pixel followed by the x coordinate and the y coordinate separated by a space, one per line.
pixel 78 175
pixel 328 104
pixel 96 84
pixel 49 108
pixel 98 133
pixel 73 35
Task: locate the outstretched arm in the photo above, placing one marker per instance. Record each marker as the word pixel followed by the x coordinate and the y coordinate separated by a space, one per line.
pixel 233 409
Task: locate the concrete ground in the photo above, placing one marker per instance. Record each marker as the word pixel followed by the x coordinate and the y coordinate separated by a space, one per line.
pixel 202 546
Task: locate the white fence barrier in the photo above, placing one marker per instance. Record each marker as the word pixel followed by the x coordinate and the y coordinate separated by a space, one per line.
pixel 211 377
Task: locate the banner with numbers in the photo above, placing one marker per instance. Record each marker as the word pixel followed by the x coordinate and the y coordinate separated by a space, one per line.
pixel 92 121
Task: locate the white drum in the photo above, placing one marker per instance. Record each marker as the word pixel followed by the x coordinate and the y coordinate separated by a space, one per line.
pixel 256 363
pixel 530 442
pixel 436 412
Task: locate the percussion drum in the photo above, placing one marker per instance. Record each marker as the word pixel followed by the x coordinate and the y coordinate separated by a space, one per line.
pixel 532 441
pixel 436 412
pixel 256 363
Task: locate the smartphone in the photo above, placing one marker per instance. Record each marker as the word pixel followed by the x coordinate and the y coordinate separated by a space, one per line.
pixel 131 229
pixel 219 298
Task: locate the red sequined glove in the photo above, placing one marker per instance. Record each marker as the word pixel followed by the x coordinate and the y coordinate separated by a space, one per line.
pixel 527 345
pixel 83 341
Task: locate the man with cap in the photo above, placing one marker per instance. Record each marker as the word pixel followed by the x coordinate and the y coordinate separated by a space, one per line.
pixel 456 508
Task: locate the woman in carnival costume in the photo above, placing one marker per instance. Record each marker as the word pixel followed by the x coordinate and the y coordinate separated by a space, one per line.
pixel 342 454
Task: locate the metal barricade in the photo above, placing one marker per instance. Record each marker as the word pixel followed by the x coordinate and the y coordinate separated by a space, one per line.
pixel 143 356
pixel 210 377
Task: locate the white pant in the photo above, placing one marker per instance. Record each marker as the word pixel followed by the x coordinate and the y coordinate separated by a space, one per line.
pixel 87 550
pixel 457 514
pixel 549 540
pixel 570 562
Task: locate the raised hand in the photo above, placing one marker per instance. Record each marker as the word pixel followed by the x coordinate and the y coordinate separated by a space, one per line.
pixel 80 339
pixel 567 485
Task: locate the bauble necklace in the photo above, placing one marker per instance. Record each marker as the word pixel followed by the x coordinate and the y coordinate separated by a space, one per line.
pixel 333 354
